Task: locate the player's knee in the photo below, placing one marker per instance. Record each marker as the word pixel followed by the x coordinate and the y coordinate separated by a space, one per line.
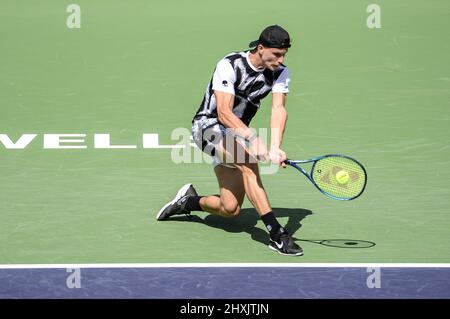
pixel 231 209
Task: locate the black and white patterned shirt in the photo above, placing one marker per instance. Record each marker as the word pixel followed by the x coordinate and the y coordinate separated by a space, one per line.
pixel 236 75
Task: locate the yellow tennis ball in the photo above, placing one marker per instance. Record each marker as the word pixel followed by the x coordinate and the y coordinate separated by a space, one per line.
pixel 342 177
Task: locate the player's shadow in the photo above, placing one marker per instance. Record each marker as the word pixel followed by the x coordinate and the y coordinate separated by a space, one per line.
pixel 247 220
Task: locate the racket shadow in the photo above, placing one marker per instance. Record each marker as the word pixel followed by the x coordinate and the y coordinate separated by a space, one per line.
pixel 247 222
pixel 340 243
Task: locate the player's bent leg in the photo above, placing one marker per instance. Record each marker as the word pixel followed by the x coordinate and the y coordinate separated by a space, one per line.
pixel 235 155
pixel 280 240
pixel 253 187
pixel 232 193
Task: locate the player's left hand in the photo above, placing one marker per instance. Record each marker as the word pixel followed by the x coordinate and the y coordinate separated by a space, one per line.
pixel 278 156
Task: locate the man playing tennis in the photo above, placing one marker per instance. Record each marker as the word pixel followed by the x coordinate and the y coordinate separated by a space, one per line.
pixel 220 128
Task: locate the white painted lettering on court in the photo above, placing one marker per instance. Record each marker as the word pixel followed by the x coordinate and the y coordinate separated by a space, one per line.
pixel 374 18
pixel 74 279
pixel 21 143
pixel 152 141
pixel 54 141
pixel 374 279
pixel 104 141
pixel 101 141
pixel 74 19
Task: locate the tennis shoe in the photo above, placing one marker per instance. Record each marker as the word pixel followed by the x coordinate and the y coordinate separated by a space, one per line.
pixel 283 243
pixel 177 206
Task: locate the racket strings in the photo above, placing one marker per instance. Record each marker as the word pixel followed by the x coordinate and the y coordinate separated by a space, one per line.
pixel 326 176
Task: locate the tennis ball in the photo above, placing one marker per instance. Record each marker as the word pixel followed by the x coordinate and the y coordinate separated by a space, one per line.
pixel 342 177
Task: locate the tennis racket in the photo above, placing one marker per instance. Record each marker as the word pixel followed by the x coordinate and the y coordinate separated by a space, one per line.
pixel 337 176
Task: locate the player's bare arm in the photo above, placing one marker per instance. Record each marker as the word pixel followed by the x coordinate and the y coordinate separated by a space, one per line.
pixel 278 121
pixel 225 102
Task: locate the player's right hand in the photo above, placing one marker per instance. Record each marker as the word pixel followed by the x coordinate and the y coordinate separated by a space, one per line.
pixel 278 157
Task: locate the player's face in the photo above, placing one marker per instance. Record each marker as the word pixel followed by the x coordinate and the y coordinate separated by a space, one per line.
pixel 272 57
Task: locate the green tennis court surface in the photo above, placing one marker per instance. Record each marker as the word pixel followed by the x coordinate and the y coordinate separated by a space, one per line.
pixel 141 67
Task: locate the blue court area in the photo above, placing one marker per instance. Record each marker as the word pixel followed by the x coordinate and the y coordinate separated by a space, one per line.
pixel 228 283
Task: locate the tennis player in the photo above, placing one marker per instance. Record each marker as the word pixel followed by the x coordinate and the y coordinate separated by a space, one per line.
pixel 221 129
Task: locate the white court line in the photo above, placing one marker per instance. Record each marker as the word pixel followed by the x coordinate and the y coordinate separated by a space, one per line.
pixel 230 265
